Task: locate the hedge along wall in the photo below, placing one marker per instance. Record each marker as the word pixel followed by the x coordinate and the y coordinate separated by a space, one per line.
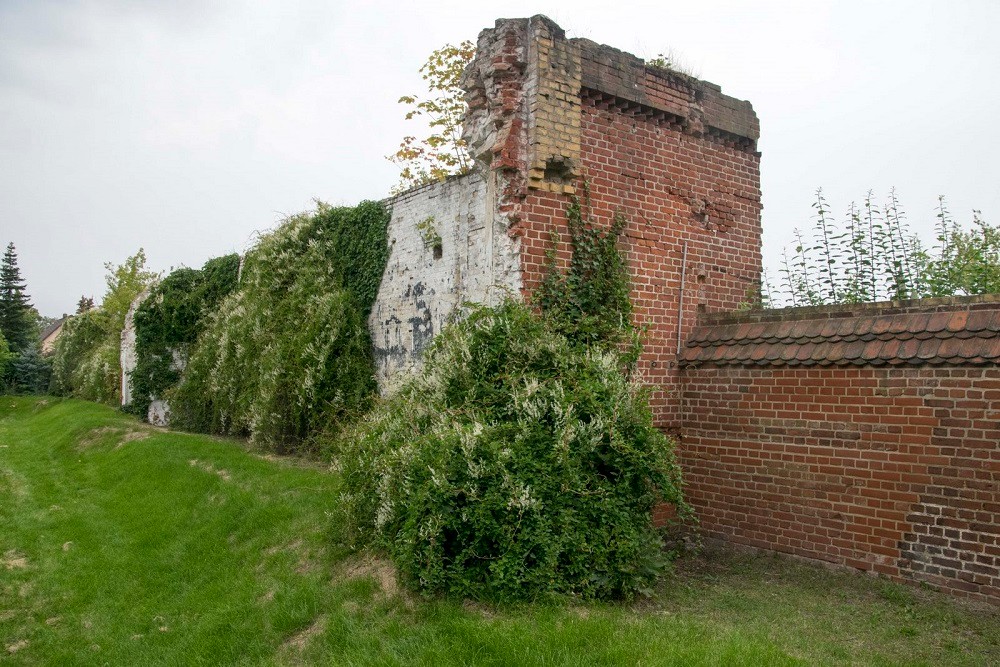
pixel 864 436
pixel 167 322
pixel 287 354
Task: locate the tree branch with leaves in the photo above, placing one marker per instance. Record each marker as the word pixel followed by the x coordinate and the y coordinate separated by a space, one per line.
pixel 443 153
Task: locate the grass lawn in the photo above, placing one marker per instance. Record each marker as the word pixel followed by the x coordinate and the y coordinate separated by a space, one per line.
pixel 125 545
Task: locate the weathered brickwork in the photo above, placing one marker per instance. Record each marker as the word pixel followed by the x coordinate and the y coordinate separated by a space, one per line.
pixel 672 153
pixel 554 125
pixel 478 258
pixel 891 469
pixel 446 248
pixel 646 150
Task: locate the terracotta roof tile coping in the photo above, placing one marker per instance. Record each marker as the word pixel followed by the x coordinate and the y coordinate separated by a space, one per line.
pixel 960 330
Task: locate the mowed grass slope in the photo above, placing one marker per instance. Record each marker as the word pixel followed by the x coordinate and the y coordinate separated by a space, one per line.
pixel 122 544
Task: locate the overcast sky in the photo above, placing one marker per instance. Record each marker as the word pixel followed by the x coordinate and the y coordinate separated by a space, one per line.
pixel 182 127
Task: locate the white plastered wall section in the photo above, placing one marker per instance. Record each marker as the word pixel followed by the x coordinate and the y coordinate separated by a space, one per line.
pixel 421 290
pixel 128 356
pixel 159 409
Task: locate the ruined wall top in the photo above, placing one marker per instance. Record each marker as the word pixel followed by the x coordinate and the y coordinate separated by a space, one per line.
pixel 701 105
pixel 524 93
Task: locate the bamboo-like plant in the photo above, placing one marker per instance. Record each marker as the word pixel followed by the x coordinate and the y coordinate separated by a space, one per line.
pixel 874 256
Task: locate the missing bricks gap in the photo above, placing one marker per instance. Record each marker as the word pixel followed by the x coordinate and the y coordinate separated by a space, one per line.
pixel 557 170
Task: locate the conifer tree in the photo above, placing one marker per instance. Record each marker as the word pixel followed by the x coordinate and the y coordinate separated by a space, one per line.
pixel 16 320
pixel 5 356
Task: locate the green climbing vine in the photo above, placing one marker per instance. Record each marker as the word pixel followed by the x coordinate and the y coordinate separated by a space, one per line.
pixel 168 322
pixel 589 301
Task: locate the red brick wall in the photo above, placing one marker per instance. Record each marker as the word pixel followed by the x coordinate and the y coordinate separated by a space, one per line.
pixel 672 187
pixel 888 462
pixel 891 470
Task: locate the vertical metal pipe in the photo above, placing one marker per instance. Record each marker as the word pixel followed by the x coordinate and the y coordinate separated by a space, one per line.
pixel 680 299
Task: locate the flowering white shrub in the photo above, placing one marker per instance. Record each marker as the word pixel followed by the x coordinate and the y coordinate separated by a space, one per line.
pixel 516 464
pixel 288 353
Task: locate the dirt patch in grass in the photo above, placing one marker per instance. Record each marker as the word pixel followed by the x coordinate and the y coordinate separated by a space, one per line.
pixel 132 435
pixel 208 467
pixel 14 484
pixel 95 436
pixel 480 609
pixel 379 569
pixel 299 640
pixel 123 436
pixel 278 548
pixel 12 560
pixel 293 647
pixel 299 461
pixel 17 646
pixel 307 560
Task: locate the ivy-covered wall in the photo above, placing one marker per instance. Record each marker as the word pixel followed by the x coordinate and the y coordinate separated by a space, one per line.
pixel 167 323
pixel 286 355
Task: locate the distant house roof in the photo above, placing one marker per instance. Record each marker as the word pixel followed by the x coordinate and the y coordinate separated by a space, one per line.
pixel 53 327
pixel 960 330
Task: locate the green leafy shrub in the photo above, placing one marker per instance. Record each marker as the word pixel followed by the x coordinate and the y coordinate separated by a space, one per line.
pixel 87 358
pixel 80 335
pixel 168 322
pixel 965 260
pixel 6 356
pixel 86 363
pixel 515 465
pixel 873 256
pixel 288 354
pixel 522 461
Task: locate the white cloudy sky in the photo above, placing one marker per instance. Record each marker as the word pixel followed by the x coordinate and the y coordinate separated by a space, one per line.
pixel 182 127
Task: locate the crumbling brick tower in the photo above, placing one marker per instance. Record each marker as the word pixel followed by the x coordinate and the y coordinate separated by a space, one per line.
pixel 672 153
pixel 547 114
